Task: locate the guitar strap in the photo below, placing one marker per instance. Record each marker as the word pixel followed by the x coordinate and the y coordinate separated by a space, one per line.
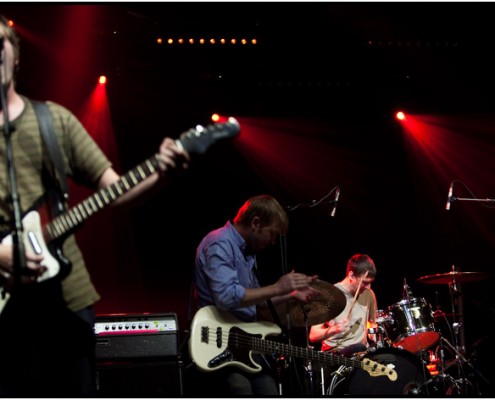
pixel 47 130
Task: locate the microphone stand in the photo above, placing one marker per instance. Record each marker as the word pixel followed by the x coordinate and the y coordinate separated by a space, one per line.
pixel 323 200
pixel 453 198
pixel 281 360
pixel 283 248
pixel 19 256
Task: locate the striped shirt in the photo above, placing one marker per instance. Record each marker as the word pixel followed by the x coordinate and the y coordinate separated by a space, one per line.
pixel 84 163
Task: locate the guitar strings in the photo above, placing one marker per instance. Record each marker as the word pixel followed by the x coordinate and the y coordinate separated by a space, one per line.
pixel 233 340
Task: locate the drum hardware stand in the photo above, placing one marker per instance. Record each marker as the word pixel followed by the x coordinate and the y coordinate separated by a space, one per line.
pixel 309 373
pixel 446 379
pixel 458 336
pixel 457 308
pixel 477 373
pixel 322 381
pixel 379 331
pixel 459 346
pixel 308 367
pixel 462 383
pixel 441 373
pixel 406 293
pixel 281 364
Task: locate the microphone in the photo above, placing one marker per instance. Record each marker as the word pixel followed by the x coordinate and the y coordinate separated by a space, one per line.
pixel 335 202
pixel 449 197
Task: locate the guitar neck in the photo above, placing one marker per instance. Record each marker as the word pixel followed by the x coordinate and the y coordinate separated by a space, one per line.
pixel 268 346
pixel 195 140
pixel 69 221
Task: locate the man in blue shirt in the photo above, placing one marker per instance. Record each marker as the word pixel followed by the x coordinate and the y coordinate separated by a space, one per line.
pixel 226 277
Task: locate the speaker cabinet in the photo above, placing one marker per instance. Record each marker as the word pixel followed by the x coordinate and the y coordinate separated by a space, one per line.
pixel 139 379
pixel 137 355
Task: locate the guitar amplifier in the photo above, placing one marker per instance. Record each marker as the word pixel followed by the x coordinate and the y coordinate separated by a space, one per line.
pixel 122 337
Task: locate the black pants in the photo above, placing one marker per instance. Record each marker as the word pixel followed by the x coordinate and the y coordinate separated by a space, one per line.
pixel 46 350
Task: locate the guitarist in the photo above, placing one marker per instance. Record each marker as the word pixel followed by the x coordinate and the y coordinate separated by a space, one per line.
pixel 225 276
pixel 47 335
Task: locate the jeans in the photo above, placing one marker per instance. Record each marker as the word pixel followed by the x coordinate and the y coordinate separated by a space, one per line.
pixel 245 384
pixel 232 381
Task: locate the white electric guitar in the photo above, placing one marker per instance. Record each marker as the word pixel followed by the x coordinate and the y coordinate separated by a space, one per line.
pixel 48 239
pixel 218 339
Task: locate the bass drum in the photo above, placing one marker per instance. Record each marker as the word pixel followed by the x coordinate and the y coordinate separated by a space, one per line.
pixel 413 377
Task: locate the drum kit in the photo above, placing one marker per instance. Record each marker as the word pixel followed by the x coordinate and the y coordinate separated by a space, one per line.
pixel 407 339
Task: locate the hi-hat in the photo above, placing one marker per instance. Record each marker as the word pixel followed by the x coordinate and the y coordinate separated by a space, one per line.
pixel 326 306
pixel 453 277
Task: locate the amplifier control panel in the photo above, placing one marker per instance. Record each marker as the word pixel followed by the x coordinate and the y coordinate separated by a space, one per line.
pixel 125 324
pixel 123 337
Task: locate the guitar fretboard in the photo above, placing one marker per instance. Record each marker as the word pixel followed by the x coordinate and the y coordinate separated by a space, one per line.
pixel 267 346
pixel 67 222
pixel 195 140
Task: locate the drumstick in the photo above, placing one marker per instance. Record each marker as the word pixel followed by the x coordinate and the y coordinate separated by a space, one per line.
pixel 356 294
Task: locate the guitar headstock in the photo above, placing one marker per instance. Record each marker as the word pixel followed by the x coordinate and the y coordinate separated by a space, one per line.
pixel 199 139
pixel 375 369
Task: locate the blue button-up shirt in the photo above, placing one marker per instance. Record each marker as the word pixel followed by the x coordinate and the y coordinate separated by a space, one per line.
pixel 224 270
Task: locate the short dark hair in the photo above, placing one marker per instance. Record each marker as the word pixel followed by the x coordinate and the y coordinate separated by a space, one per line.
pixel 360 264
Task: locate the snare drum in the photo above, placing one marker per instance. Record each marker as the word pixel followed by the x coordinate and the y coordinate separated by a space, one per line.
pixel 411 325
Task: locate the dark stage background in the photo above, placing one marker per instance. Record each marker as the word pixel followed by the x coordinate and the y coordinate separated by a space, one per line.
pixel 315 99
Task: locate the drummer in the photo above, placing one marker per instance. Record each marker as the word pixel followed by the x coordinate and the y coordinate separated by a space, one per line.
pixel 347 333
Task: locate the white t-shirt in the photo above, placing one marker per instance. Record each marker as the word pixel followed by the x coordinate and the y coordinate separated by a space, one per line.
pixel 363 311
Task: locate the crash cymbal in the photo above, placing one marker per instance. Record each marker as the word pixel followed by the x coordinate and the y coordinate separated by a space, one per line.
pixel 329 304
pixel 454 276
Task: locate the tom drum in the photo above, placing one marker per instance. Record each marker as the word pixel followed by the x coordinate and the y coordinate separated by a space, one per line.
pixel 411 325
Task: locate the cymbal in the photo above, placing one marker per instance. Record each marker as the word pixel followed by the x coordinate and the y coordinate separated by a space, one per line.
pixel 452 277
pixel 330 303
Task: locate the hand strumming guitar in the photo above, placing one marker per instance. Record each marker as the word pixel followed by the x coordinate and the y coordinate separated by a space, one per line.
pixel 34 267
